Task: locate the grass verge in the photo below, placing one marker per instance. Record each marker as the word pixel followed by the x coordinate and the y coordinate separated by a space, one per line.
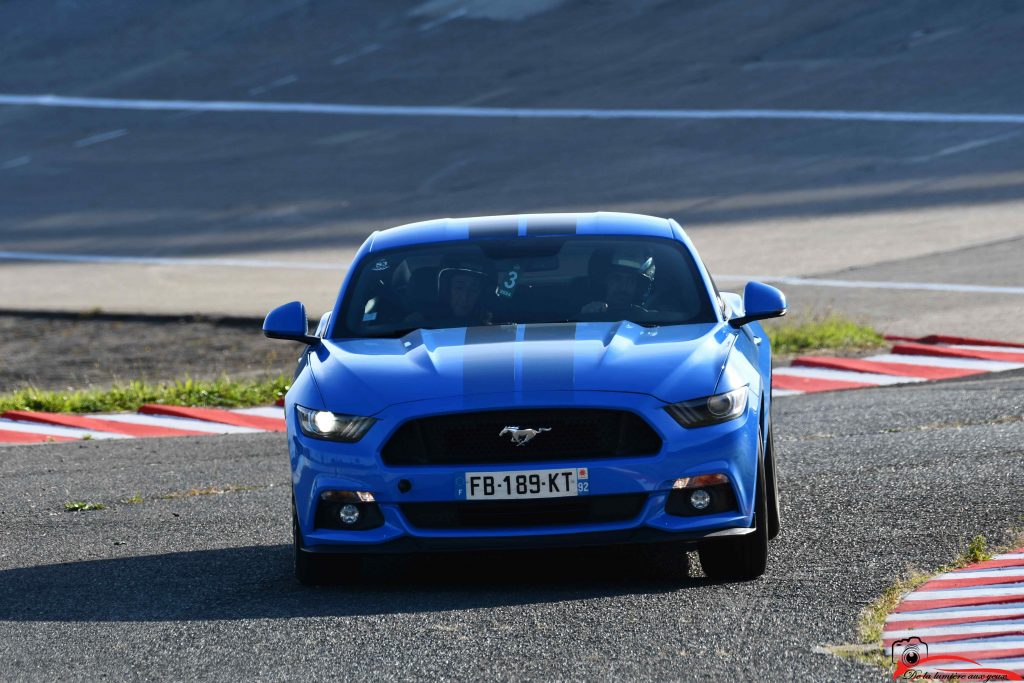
pixel 829 331
pixel 219 393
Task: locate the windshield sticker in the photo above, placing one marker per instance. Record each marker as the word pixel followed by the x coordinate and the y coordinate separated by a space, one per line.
pixel 367 317
pixel 381 265
pixel 507 287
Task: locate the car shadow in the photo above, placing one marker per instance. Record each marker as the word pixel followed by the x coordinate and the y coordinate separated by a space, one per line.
pixel 257 582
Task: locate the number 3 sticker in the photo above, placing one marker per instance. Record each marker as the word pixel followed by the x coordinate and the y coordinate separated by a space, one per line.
pixel 508 287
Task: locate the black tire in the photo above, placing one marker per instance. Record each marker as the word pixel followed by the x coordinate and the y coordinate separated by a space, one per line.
pixel 772 482
pixel 741 558
pixel 313 569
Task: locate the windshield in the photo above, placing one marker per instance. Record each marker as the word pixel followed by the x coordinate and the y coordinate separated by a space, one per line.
pixel 649 281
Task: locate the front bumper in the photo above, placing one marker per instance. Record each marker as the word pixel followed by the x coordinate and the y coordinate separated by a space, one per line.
pixel 729 448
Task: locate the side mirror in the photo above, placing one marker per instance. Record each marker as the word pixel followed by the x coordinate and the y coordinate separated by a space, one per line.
pixel 289 322
pixel 760 301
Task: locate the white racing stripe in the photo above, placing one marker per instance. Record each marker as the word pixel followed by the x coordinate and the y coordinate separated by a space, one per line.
pixel 1015 609
pixel 177 423
pixel 507 112
pixel 960 593
pixel 55 430
pixel 844 375
pixel 276 412
pixel 993 627
pixel 947 362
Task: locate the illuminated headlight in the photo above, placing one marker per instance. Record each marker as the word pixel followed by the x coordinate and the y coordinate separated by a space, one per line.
pixel 710 410
pixel 324 424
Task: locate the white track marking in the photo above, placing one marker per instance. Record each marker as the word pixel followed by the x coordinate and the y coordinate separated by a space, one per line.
pixel 279 83
pixel 996 349
pixel 1016 665
pixel 844 375
pixel 507 112
pixel 177 423
pixel 275 412
pixel 976 644
pixel 974 144
pixel 314 265
pixel 875 284
pixel 101 137
pixel 16 162
pixel 786 392
pixel 161 261
pixel 362 52
pixel 960 593
pixel 1013 610
pixel 989 627
pixel 946 362
pixel 1009 556
pixel 995 573
pixel 451 16
pixel 55 430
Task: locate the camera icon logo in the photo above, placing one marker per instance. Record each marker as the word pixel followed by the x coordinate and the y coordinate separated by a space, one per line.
pixel 909 651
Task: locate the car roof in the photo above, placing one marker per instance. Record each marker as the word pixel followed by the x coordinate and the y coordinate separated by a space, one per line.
pixel 522 225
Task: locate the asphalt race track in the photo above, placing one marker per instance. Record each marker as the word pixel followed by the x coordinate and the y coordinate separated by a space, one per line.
pixel 201 587
pixel 186 574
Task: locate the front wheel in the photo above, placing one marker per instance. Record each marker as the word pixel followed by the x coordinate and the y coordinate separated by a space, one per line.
pixel 772 484
pixel 312 569
pixel 741 558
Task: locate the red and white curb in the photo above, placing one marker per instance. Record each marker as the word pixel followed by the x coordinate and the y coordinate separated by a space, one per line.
pixel 976 612
pixel 152 420
pixel 919 359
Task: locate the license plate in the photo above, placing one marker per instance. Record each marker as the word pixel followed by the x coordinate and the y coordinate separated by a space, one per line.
pixel 519 484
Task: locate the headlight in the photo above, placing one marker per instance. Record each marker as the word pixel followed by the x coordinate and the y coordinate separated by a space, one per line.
pixel 710 410
pixel 324 424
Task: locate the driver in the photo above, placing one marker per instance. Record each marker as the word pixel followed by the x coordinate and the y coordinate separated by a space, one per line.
pixel 628 282
pixel 460 298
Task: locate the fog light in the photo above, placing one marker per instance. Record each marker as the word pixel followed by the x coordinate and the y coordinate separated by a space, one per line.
pixel 700 499
pixel 349 514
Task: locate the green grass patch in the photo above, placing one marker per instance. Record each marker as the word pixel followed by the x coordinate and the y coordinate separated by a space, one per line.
pixel 81 505
pixel 830 331
pixel 219 393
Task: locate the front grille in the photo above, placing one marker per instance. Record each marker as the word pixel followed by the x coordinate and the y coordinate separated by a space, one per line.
pixel 473 438
pixel 495 514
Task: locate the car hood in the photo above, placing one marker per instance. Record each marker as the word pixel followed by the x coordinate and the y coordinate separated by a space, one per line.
pixel 675 363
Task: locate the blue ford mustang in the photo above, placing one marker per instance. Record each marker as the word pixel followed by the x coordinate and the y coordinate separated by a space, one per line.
pixel 534 380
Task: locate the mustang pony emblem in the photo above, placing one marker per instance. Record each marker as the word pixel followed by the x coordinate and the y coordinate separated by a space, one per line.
pixel 522 436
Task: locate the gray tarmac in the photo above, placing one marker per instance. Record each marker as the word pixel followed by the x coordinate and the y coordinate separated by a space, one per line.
pixel 200 586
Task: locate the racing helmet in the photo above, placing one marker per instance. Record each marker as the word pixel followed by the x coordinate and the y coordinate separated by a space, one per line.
pixel 637 264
